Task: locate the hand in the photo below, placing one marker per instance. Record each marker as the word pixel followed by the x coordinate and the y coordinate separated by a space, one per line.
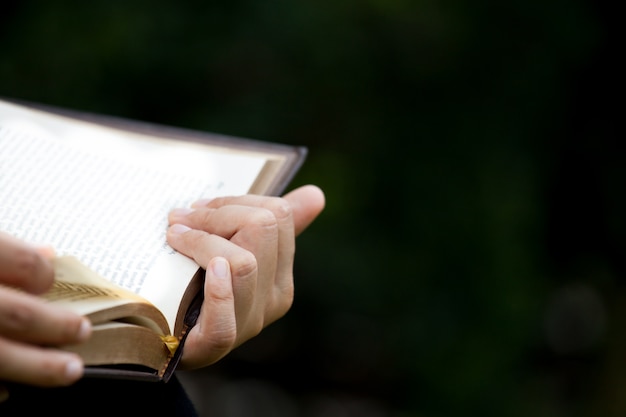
pixel 28 323
pixel 247 246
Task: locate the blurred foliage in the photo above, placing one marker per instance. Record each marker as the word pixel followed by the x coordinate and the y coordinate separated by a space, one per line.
pixel 470 259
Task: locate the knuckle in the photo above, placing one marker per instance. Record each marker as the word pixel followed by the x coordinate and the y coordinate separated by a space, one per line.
pixel 223 339
pixel 19 318
pixel 27 262
pixel 262 225
pixel 256 327
pixel 202 217
pixel 264 218
pixel 244 265
pixel 286 299
pixel 31 271
pixel 280 207
pixel 281 304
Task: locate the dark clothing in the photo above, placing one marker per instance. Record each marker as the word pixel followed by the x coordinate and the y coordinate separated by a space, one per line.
pixel 92 396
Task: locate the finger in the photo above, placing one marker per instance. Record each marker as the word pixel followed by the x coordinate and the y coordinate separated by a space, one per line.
pixel 225 220
pixel 215 332
pixel 27 318
pixel 256 229
pixel 23 266
pixel 260 224
pixel 248 286
pixel 306 201
pixel 33 365
pixel 202 247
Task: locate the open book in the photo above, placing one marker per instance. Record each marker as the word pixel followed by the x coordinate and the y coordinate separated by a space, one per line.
pixel 98 190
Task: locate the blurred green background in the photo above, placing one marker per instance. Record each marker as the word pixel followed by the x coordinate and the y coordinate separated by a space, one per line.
pixel 470 260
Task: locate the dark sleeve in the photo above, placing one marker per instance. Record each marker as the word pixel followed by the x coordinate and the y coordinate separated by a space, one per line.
pixel 101 397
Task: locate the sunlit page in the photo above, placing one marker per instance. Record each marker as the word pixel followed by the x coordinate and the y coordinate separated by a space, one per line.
pixel 105 200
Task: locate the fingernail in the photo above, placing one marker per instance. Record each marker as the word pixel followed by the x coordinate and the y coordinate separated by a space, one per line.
pixel 74 369
pixel 181 212
pixel 179 228
pixel 202 202
pixel 46 251
pixel 85 330
pixel 220 267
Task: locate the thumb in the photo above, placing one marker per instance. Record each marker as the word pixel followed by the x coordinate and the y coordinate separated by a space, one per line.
pixel 307 202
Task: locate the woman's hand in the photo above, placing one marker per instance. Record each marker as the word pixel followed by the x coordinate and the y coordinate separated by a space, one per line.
pixel 247 246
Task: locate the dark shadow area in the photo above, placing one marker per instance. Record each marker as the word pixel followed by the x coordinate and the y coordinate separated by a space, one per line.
pixel 470 260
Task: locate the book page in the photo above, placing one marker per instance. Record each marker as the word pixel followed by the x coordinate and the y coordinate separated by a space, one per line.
pixel 103 195
pixel 82 290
